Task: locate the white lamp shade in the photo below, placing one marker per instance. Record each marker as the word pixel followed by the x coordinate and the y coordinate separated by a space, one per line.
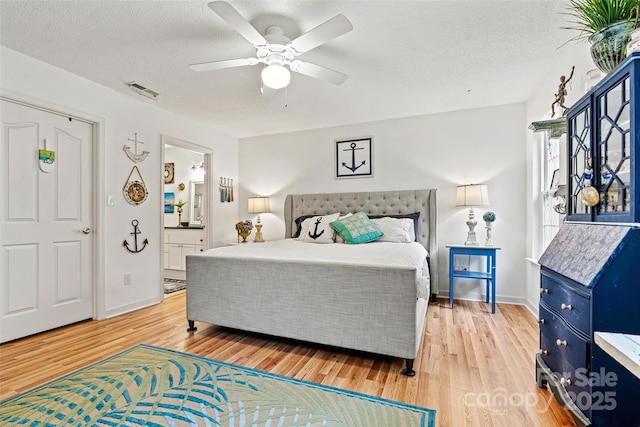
pixel 276 76
pixel 258 205
pixel 472 195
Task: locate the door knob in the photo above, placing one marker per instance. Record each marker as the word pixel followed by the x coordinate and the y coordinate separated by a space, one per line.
pixel 86 230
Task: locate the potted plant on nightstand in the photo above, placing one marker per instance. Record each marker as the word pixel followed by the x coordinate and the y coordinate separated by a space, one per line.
pixel 607 24
pixel 488 218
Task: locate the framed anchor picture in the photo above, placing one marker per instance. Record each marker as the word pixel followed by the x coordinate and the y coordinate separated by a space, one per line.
pixel 354 157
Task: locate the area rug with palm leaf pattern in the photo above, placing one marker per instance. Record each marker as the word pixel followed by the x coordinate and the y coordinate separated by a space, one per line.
pixel 152 386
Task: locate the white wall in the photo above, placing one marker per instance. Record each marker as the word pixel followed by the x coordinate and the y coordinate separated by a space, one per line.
pixel 122 116
pixel 491 146
pixel 539 108
pixel 433 151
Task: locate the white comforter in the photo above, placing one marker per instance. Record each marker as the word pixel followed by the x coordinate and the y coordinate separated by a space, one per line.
pixel 382 254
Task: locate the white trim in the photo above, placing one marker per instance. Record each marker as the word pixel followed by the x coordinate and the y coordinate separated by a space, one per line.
pixel 481 298
pixel 533 308
pixel 98 172
pixel 127 308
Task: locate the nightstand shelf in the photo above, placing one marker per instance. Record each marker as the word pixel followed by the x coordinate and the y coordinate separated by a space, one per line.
pixel 472 274
pixel 488 275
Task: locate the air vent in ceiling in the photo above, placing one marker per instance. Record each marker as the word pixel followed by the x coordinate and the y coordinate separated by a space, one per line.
pixel 141 90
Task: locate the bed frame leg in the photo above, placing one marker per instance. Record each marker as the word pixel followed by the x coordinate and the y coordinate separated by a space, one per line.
pixel 192 326
pixel 408 371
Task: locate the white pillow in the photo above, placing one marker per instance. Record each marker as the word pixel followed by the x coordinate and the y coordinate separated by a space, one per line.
pixel 318 230
pixel 395 230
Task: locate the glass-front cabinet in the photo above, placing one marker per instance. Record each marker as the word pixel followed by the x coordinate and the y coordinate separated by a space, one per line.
pixel 602 146
pixel 579 155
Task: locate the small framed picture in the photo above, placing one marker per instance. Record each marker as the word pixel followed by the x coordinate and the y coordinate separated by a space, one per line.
pixel 168 173
pixel 169 200
pixel 354 157
pixel 554 179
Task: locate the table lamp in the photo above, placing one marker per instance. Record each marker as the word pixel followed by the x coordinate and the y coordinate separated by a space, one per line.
pixel 472 195
pixel 258 205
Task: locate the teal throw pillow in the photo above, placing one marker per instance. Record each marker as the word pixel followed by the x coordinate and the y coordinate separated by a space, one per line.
pixel 356 228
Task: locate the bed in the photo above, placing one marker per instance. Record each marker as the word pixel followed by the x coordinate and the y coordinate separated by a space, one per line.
pixel 326 294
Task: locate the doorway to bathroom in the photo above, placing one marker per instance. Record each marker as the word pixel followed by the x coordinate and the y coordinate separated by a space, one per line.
pixel 186 214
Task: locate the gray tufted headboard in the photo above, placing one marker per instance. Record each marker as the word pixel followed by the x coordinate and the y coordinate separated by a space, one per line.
pixel 374 203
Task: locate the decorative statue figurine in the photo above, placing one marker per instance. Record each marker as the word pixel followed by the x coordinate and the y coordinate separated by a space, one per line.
pixel 562 92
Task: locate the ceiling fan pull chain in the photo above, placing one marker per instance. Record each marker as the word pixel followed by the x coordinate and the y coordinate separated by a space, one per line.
pixel 285 97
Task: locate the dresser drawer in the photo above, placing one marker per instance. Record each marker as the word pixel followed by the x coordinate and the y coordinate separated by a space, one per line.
pixel 563 300
pixel 562 349
pixel 566 354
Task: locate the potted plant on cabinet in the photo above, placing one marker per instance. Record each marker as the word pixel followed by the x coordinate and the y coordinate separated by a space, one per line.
pixel 179 204
pixel 607 25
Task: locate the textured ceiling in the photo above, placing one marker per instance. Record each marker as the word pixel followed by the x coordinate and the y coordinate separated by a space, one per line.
pixel 403 58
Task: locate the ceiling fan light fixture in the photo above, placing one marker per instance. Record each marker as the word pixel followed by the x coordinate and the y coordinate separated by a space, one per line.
pixel 275 76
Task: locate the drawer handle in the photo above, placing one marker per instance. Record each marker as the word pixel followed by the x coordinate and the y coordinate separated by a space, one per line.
pixel 566 381
pixel 566 307
pixel 561 342
pixel 541 321
pixel 543 352
pixel 544 291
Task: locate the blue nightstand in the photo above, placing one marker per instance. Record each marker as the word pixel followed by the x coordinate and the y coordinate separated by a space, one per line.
pixel 488 275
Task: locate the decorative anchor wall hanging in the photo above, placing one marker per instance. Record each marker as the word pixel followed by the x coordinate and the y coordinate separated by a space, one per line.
pixel 353 157
pixel 135 233
pixel 135 157
pixel 353 147
pixel 135 192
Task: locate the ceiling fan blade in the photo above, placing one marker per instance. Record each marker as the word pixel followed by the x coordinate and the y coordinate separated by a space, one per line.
pixel 334 27
pixel 318 72
pixel 217 65
pixel 238 22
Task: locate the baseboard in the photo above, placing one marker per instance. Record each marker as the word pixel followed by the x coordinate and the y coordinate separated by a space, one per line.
pixel 533 308
pixel 123 309
pixel 480 298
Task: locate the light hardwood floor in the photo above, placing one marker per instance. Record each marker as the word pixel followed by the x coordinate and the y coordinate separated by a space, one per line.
pixel 474 369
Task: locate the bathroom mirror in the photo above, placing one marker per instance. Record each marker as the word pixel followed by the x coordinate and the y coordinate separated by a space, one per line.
pixel 196 203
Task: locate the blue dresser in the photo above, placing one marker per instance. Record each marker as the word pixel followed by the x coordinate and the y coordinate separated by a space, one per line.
pixel 590 281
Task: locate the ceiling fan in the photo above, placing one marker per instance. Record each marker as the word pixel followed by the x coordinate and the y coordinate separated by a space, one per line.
pixel 276 50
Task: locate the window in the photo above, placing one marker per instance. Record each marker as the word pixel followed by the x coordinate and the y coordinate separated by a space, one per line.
pixel 553 185
pixel 549 172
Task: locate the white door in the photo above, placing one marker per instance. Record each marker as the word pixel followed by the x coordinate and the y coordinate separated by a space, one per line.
pixel 46 259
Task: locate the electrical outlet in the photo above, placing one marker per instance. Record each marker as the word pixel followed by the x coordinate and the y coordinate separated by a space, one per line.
pixel 127 278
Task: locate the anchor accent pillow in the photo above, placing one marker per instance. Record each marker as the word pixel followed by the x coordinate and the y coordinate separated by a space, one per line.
pixel 318 229
pixel 357 228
